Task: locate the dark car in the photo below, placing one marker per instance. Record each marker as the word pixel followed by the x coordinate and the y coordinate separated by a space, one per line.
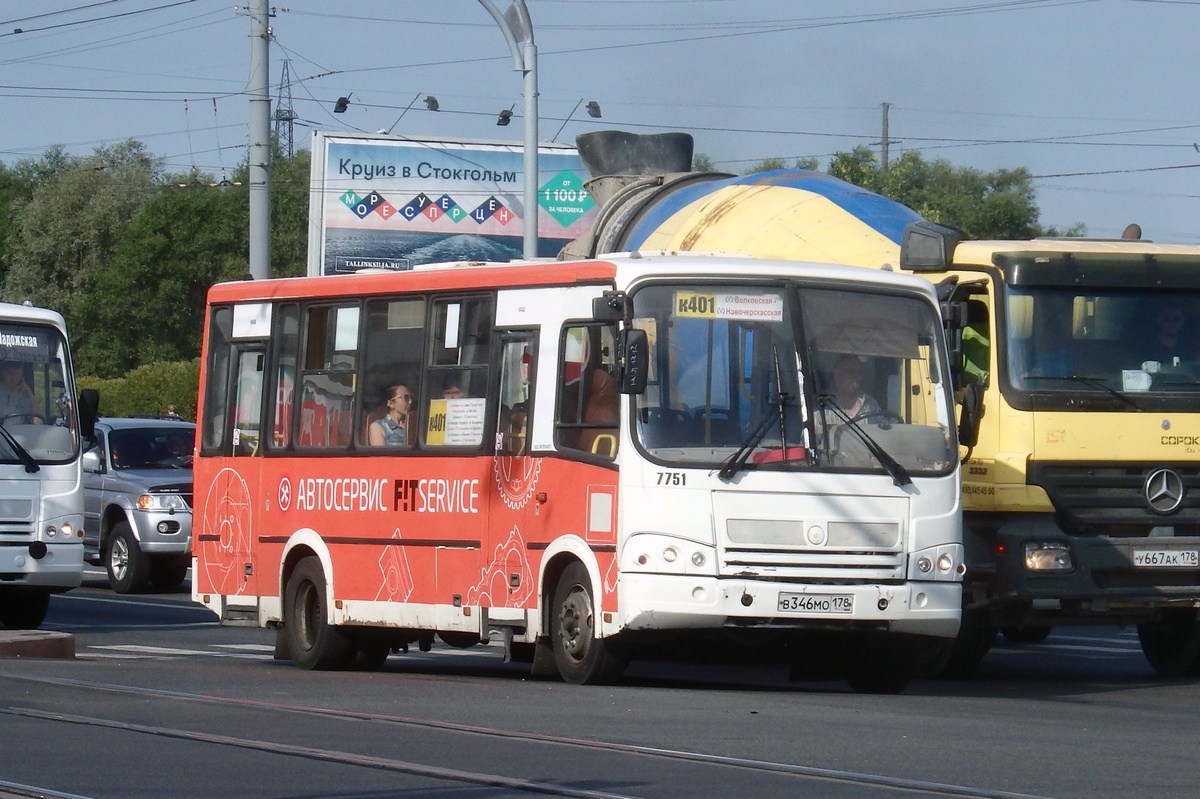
pixel 138 502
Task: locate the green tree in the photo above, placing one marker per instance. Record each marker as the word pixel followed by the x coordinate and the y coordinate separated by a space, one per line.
pixel 68 229
pixel 147 302
pixel 703 163
pixel 984 205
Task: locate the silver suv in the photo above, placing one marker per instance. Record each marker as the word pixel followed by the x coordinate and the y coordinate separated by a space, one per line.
pixel 138 502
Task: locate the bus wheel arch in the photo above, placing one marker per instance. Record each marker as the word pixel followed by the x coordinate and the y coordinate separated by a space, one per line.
pixel 581 655
pixel 313 641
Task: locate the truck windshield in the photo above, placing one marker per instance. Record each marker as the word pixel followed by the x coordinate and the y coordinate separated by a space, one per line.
pixel 1130 347
pixel 36 406
pixel 791 376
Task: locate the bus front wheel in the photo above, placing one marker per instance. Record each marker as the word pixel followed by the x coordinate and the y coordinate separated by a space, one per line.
pixel 582 657
pixel 313 642
pixel 22 609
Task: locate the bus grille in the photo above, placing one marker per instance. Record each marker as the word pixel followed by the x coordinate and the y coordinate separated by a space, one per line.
pixel 778 549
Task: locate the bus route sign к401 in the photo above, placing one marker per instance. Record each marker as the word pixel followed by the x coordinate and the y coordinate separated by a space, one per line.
pixel 565 198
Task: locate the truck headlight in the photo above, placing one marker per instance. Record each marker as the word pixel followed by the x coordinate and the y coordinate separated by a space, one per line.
pixel 1048 556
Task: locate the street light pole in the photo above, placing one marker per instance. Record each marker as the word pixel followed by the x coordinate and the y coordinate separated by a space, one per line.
pixel 518 32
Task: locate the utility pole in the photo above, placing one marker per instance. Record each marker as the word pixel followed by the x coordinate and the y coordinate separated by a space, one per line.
pixel 885 141
pixel 260 141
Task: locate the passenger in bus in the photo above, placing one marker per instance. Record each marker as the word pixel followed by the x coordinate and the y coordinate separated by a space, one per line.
pixel 16 397
pixel 391 430
pixel 848 392
pixel 453 387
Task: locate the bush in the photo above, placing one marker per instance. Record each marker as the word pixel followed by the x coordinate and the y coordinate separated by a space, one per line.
pixel 149 389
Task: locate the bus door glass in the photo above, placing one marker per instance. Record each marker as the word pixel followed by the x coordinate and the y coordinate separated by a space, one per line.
pixel 513 513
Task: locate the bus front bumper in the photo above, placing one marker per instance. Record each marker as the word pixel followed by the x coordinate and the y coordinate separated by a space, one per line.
pixel 663 602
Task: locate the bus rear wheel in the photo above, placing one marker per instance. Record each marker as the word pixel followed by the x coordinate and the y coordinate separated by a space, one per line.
pixel 313 642
pixel 582 657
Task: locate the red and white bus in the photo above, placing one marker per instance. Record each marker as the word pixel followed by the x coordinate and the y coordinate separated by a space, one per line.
pixel 598 459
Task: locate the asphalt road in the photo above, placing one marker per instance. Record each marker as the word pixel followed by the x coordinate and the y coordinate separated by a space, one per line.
pixel 163 702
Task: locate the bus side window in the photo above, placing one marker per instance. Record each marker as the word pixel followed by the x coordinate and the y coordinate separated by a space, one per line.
pixel 394 342
pixel 330 369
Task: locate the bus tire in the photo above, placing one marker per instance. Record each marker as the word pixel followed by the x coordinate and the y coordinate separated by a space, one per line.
pixel 880 668
pixel 128 567
pixel 1172 644
pixel 23 610
pixel 371 650
pixel 582 658
pixel 957 658
pixel 313 642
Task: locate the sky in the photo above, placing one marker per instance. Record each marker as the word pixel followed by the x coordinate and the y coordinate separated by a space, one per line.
pixel 1097 99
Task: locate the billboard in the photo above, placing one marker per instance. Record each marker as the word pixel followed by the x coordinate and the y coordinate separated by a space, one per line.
pixel 391 202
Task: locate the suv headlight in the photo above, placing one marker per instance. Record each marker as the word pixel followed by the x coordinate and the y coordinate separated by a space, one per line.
pixel 171 502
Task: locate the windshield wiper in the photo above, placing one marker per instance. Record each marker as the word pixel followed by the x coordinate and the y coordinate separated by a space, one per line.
pixel 897 472
pixel 31 465
pixel 737 461
pixel 1094 382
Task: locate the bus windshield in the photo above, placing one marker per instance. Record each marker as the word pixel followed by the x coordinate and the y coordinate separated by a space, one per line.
pixel 791 376
pixel 1128 347
pixel 37 412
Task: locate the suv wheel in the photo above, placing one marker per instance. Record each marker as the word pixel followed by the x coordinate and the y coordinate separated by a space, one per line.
pixel 128 566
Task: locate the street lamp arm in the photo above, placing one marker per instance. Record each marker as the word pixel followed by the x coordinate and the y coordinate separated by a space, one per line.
pixel 510 36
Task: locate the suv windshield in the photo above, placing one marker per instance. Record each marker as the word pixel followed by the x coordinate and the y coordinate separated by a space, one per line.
pixel 790 376
pixel 37 409
pixel 151 448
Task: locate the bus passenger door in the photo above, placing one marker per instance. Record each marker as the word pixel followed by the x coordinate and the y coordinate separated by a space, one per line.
pixel 515 532
pixel 228 529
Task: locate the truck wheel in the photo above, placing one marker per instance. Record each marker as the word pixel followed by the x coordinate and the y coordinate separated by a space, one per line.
pixel 1172 644
pixel 581 657
pixel 313 642
pixel 23 610
pixel 1026 635
pixel 128 567
pixel 168 571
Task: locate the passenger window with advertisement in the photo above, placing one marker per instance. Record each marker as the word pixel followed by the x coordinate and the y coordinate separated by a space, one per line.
pixel 459 372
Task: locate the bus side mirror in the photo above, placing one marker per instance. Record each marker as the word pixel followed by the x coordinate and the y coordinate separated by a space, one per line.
pixel 970 415
pixel 633 353
pixel 89 411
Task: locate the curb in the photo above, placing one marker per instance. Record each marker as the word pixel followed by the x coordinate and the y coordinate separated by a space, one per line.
pixel 36 644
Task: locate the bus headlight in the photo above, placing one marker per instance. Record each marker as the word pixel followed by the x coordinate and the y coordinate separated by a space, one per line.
pixel 1048 556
